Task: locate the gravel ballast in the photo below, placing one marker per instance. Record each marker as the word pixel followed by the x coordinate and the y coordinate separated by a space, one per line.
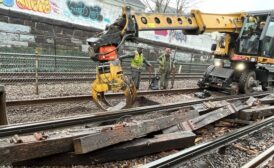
pixel 27 91
pixel 234 155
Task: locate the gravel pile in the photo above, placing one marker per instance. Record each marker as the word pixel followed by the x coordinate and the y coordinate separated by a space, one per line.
pixel 238 153
pixel 33 113
pixel 23 114
pixel 164 99
pixel 27 91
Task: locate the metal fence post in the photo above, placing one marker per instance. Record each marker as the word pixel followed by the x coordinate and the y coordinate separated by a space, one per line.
pixel 55 63
pixel 36 71
pixel 3 112
pixel 180 69
pixel 190 65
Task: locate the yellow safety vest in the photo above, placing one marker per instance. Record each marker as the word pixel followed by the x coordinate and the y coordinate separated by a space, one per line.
pixel 137 61
pixel 162 61
pixel 165 65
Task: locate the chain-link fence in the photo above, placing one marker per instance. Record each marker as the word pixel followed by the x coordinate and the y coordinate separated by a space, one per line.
pixel 38 68
pixel 19 62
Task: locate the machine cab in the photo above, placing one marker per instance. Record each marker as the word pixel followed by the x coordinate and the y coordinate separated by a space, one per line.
pixel 268 40
pixel 257 36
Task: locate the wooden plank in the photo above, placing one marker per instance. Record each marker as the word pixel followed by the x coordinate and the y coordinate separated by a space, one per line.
pixel 208 118
pixel 63 141
pixel 209 106
pixel 239 121
pixel 60 143
pixel 203 120
pixel 129 132
pixel 189 115
pixel 256 113
pixel 267 99
pixel 128 150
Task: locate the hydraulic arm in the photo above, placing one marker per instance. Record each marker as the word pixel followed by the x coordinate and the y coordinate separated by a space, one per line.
pixel 104 47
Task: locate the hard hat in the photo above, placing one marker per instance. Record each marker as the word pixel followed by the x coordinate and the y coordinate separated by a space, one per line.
pixel 262 23
pixel 252 19
pixel 140 46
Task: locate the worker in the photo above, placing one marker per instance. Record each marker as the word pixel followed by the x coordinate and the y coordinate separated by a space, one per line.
pixel 136 64
pixel 261 26
pixel 166 67
pixel 255 38
pixel 250 41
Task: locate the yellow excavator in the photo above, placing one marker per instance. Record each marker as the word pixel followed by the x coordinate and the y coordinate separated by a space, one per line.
pixel 243 57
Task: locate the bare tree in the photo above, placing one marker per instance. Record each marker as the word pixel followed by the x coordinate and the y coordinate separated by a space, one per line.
pixel 161 6
pixel 146 2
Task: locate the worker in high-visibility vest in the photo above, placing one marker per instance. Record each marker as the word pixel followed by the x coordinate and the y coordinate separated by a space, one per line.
pixel 166 67
pixel 136 64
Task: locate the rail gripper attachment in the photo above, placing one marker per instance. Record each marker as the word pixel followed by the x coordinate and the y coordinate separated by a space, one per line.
pixel 128 96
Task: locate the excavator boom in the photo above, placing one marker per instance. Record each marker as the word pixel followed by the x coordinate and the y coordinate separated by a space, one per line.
pixel 194 23
pixel 244 43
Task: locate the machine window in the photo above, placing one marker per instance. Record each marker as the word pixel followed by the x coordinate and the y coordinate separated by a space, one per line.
pixel 270 30
pixel 250 39
pixel 268 41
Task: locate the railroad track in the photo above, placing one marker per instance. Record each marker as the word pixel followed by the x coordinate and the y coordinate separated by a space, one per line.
pixel 89 97
pixel 110 116
pixel 198 150
pixel 262 159
pixel 45 77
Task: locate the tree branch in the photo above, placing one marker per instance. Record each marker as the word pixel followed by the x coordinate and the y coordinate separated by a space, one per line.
pixel 166 5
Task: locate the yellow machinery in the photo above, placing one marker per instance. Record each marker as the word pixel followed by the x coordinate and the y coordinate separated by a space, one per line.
pixel 110 77
pixel 246 45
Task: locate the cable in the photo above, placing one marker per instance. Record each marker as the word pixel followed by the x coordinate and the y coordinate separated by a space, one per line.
pixel 119 45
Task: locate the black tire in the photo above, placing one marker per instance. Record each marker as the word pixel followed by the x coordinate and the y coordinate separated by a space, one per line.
pixel 243 81
pixel 201 84
pixel 234 90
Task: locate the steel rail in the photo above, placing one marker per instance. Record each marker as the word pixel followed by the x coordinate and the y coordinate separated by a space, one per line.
pixel 71 79
pixel 2 74
pixel 262 159
pixel 89 97
pixel 111 115
pixel 197 150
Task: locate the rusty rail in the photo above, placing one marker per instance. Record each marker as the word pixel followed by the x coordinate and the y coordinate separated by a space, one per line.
pixel 69 77
pixel 262 159
pixel 111 116
pixel 197 150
